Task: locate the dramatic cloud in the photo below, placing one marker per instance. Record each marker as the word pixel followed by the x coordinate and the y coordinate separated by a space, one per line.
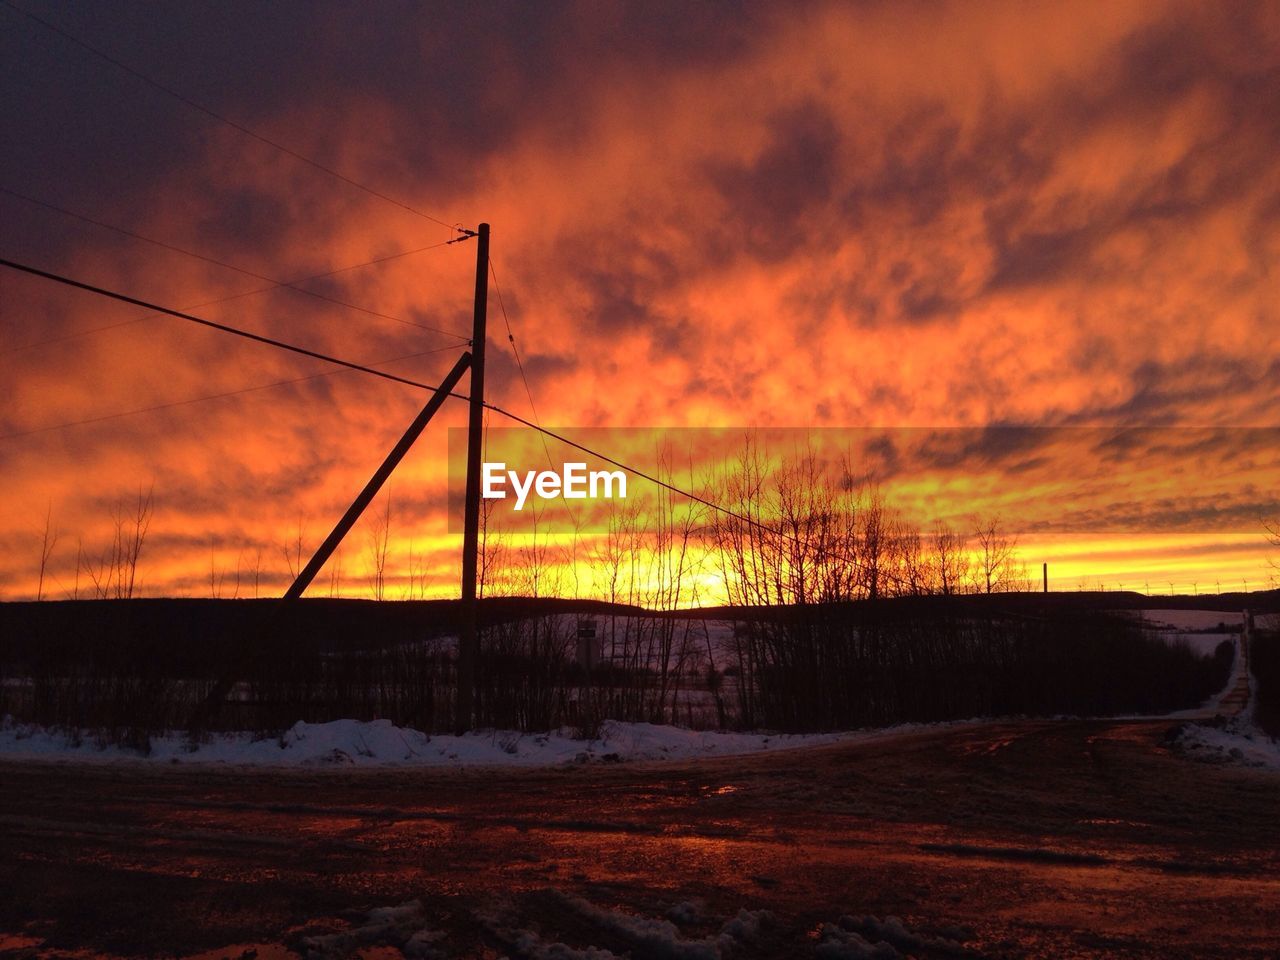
pixel 738 215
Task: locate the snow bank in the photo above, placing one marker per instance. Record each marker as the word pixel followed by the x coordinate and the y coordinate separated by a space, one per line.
pixel 353 743
pixel 404 927
pixel 1234 741
pixel 641 936
pixel 869 938
pixel 1190 619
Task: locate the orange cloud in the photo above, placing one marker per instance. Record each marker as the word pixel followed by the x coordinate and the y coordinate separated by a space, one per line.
pixel 906 215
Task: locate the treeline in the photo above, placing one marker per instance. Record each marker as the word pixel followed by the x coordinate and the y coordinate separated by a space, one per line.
pixel 1264 661
pixel 885 663
pixel 132 668
pixel 845 616
pixel 127 671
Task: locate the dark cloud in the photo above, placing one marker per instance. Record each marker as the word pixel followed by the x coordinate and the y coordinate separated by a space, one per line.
pixel 826 213
pixel 773 200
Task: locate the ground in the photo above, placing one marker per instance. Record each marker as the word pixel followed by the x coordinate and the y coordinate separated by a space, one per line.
pixel 1009 839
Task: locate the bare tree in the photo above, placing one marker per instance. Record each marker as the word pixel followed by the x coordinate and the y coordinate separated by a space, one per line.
pixel 139 523
pixel 75 593
pixel 118 574
pixel 796 534
pixel 998 565
pixel 418 574
pixel 335 573
pixel 292 551
pixel 257 569
pixel 916 576
pixel 215 577
pixel 1273 537
pixel 490 551
pixel 115 573
pixel 379 536
pixel 48 541
pixel 875 541
pixel 235 590
pixel 950 559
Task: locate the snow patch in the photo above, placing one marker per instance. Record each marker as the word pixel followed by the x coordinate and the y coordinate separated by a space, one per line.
pixel 1230 741
pixel 1183 620
pixel 530 946
pixel 636 936
pixel 380 743
pixel 403 927
pixel 869 938
pixel 652 937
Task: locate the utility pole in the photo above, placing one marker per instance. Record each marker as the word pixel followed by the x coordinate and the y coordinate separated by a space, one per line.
pixel 1045 569
pixel 468 646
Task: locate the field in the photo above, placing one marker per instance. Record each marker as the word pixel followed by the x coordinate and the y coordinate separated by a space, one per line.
pixel 1003 838
pixel 1020 840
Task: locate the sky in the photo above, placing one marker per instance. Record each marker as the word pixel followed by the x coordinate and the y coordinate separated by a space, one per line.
pixel 740 215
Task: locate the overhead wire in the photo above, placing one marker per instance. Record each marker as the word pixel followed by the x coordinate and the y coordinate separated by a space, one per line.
pixel 195 105
pixel 364 368
pixel 511 339
pixel 275 284
pixel 225 328
pixel 227 299
pixel 303 351
pixel 212 396
pixel 533 409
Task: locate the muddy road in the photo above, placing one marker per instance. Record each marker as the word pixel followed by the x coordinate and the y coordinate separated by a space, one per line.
pixel 1021 839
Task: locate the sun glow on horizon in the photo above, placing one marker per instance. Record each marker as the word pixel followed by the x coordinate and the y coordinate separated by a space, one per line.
pixel 786 223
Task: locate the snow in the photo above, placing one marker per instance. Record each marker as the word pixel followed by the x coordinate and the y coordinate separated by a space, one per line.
pixel 650 936
pixel 380 743
pixel 1201 630
pixel 869 938
pixel 643 936
pixel 1191 619
pixel 1210 707
pixel 1235 741
pixel 404 926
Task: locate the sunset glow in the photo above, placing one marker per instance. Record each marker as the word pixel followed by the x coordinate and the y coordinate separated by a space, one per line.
pixel 815 216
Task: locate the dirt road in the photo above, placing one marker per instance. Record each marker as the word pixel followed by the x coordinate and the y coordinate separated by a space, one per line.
pixel 1026 839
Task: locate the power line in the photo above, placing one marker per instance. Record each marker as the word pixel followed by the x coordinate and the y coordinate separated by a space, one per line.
pixel 220 118
pixel 689 495
pixel 227 299
pixel 511 339
pixel 230 266
pixel 303 351
pixel 225 328
pixel 213 396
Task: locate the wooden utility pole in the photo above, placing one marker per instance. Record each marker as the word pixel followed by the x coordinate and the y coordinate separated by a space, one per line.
pixel 468 646
pixel 1045 568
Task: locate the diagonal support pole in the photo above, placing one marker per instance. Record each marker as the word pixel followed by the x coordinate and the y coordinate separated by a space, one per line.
pixel 377 480
pixel 212 703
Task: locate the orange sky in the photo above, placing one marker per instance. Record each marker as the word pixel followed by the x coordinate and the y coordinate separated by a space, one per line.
pixel 829 215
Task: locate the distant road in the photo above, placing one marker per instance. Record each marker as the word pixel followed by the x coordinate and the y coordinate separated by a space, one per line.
pixel 1023 839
